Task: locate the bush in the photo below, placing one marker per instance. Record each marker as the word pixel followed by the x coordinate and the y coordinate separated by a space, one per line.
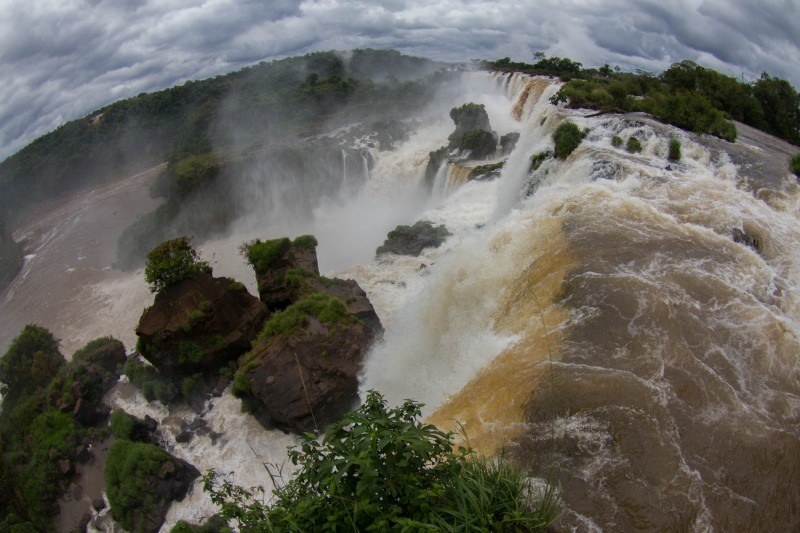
pixel 567 137
pixel 674 150
pixel 633 146
pixel 537 160
pixel 122 424
pixel 794 165
pixel 263 255
pixel 379 469
pixel 616 141
pixel 31 361
pixel 328 309
pixel 172 261
pixel 127 470
pixel 308 242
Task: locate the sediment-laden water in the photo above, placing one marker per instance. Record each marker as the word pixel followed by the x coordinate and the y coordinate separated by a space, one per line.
pixel 625 324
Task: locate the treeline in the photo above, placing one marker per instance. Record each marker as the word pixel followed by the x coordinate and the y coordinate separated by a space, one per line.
pixel 686 95
pixel 265 102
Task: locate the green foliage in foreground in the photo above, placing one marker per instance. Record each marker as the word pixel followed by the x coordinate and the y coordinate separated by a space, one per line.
pixel 379 469
pixel 172 261
pixel 126 471
pixel 567 137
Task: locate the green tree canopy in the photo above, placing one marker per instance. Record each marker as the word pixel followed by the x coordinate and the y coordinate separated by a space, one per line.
pixel 172 261
pixel 31 361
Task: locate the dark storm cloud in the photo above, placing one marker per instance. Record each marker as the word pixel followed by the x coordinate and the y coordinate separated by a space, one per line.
pixel 62 59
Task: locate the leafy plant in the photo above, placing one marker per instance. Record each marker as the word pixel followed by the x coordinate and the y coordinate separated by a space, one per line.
pixel 674 150
pixel 379 469
pixel 794 165
pixel 172 261
pixel 127 470
pixel 537 160
pixel 616 141
pixel 633 146
pixel 567 137
pixel 122 424
pixel 262 255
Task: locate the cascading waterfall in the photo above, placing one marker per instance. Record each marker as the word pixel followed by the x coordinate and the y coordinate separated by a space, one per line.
pixel 610 306
pixel 604 300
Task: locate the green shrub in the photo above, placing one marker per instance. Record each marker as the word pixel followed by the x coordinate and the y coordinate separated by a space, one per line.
pixel 308 242
pixel 127 470
pixel 537 160
pixel 263 255
pixel 190 351
pixel 674 150
pixel 31 361
pixel 189 384
pixel 172 261
pixel 83 353
pixel 122 424
pixel 328 309
pixel 616 141
pixel 486 171
pixel 379 469
pixel 236 286
pixel 633 146
pixel 567 137
pixel 794 165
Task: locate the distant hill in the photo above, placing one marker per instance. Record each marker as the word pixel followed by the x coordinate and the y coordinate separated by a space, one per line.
pixel 269 100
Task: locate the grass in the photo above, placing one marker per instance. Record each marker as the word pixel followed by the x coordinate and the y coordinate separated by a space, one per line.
pixel 674 150
pixel 794 165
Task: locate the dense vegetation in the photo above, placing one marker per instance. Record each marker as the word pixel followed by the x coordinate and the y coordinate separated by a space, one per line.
pixel 686 95
pixel 380 469
pixel 269 102
pixel 38 432
pixel 172 261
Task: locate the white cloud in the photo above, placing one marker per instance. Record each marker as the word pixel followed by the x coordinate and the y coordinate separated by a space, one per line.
pixel 62 59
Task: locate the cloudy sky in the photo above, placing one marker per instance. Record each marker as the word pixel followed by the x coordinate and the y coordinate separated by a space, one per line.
pixel 61 59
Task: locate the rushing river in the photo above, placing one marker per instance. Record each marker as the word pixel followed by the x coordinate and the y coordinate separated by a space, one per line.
pixel 601 319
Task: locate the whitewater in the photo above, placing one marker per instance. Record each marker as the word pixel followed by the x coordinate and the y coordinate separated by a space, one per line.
pixel 595 318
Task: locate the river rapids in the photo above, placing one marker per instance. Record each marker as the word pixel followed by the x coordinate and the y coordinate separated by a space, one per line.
pixel 624 324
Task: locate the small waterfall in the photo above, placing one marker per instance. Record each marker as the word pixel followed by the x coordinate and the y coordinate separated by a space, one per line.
pixel 344 169
pixel 456 177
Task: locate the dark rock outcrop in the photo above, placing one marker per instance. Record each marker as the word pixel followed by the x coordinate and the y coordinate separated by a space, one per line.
pixel 198 325
pixel 303 372
pixel 411 240
pixel 308 378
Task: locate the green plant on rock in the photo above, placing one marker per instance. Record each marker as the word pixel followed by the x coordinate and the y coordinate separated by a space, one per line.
pixel 122 424
pixel 616 141
pixel 307 242
pixel 634 146
pixel 674 150
pixel 127 470
pixel 567 137
pixel 794 165
pixel 328 309
pixel 262 255
pixel 172 261
pixel 537 160
pixel 380 469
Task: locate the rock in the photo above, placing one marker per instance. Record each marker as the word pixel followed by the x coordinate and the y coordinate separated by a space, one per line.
pixel 508 142
pixel 308 378
pixel 64 466
pixel 273 259
pixel 748 239
pixel 411 240
pixel 98 504
pixel 198 325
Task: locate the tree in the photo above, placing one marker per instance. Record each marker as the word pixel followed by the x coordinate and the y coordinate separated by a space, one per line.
pixel 172 261
pixel 31 361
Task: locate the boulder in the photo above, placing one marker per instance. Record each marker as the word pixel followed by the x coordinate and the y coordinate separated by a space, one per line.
pixel 411 240
pixel 273 259
pixel 198 325
pixel 306 376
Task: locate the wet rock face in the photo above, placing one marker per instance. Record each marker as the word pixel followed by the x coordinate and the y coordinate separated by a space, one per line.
pixel 199 325
pixel 303 373
pixel 308 379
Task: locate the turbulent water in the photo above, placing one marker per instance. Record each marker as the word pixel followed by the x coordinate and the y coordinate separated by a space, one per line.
pixel 595 318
